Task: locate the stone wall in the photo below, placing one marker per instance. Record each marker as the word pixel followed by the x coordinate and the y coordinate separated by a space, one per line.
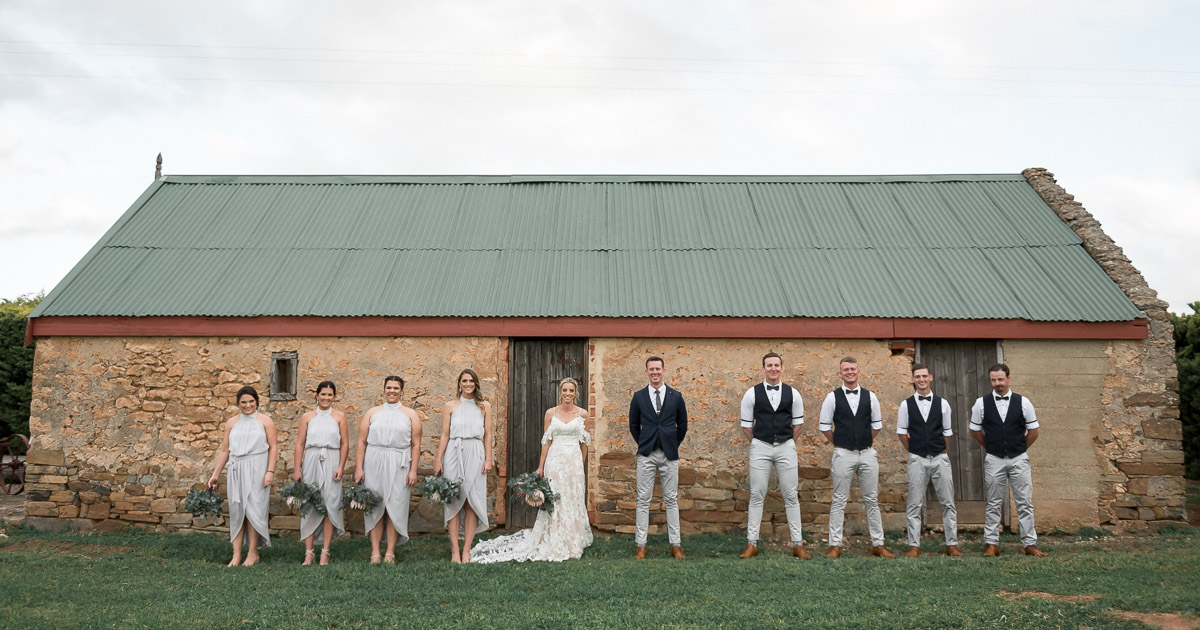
pixel 122 428
pixel 713 374
pixel 1139 439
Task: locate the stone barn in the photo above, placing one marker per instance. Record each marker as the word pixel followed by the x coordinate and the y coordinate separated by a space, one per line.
pixel 210 282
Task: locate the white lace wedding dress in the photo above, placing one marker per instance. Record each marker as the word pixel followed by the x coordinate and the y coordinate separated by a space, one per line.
pixel 565 533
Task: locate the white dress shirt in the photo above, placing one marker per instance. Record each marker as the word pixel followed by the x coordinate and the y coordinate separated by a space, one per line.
pixel 662 396
pixel 923 406
pixel 1002 407
pixel 773 396
pixel 825 422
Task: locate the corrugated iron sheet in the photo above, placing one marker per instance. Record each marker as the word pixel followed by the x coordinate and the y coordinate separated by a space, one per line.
pixel 942 247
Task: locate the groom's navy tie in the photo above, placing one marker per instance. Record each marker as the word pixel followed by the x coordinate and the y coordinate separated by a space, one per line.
pixel 657 402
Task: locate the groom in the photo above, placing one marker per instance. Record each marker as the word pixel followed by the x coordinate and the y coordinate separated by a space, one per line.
pixel 658 422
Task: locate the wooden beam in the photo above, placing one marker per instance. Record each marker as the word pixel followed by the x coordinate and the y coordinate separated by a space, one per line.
pixel 694 327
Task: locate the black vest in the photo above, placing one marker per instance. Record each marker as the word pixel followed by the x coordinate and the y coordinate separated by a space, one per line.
pixel 852 430
pixel 925 435
pixel 1003 438
pixel 770 425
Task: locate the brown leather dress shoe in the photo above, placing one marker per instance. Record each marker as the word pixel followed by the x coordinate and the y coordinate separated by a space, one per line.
pixel 913 552
pixel 881 551
pixel 952 550
pixel 800 552
pixel 640 554
pixel 750 551
pixel 1032 550
pixel 990 551
pixel 834 552
pixel 677 552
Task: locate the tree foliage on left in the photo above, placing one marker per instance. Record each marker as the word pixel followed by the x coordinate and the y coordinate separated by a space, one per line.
pixel 1187 360
pixel 16 365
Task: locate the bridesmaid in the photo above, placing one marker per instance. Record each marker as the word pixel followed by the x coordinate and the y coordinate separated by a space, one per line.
pixel 389 443
pixel 320 441
pixel 465 455
pixel 250 450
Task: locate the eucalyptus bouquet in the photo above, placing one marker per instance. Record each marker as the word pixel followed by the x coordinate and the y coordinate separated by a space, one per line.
pixel 534 490
pixel 203 503
pixel 439 489
pixel 305 496
pixel 360 498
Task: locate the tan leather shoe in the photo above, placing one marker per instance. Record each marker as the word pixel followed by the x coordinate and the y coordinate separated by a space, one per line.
pixel 881 551
pixel 677 552
pixel 640 554
pixel 1032 550
pixel 952 550
pixel 750 551
pixel 834 552
pixel 990 551
pixel 800 552
pixel 913 552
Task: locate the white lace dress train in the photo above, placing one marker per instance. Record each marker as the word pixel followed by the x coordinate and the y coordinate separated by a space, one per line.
pixel 565 533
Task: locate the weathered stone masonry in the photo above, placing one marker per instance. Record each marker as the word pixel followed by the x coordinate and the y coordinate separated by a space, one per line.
pixel 1139 436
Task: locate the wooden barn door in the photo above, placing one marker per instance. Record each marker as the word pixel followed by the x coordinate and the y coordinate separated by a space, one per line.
pixel 535 368
pixel 960 375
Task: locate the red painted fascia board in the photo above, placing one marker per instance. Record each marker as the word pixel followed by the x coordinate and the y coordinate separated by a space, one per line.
pixel 701 327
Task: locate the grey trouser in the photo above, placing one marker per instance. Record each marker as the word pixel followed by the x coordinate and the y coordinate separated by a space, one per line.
pixel 668 473
pixel 845 465
pixel 999 473
pixel 921 471
pixel 781 457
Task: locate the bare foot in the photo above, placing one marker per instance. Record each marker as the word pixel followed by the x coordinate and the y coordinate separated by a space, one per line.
pixel 251 560
pixel 237 559
pixel 456 558
pixel 466 557
pixel 308 558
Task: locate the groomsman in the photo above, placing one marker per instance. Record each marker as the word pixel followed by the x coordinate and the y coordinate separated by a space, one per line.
pixel 923 424
pixel 658 422
pixel 1005 424
pixel 772 416
pixel 850 420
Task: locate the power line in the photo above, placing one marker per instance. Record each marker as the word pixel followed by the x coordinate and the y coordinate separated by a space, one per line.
pixel 611 57
pixel 592 87
pixel 603 69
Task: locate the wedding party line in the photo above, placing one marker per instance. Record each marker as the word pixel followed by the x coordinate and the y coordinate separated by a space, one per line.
pixel 771 417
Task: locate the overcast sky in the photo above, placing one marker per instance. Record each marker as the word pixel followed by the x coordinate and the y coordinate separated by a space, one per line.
pixel 1104 94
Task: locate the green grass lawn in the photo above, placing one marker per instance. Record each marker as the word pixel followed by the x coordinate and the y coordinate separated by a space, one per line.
pixel 135 580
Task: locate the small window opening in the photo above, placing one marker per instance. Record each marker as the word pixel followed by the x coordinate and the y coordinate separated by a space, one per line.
pixel 283 375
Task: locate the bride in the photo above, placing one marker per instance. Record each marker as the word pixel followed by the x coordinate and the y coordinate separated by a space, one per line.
pixel 566 532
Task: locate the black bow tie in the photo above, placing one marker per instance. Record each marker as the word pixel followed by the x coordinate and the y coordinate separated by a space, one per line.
pixel 851 392
pixel 774 387
pixel 924 397
pixel 1002 398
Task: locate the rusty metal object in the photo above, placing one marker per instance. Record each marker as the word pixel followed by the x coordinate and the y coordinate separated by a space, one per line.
pixel 12 464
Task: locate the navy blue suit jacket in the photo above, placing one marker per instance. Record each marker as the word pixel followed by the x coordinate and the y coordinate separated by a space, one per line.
pixel 667 429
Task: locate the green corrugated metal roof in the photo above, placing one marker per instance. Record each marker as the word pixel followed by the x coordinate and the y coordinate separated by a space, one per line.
pixel 930 246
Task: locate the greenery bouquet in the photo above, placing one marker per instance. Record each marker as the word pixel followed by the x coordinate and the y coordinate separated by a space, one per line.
pixel 305 496
pixel 360 498
pixel 203 503
pixel 439 489
pixel 534 490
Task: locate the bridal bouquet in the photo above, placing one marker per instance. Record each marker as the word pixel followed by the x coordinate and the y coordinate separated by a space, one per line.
pixel 439 489
pixel 534 490
pixel 360 498
pixel 305 496
pixel 203 503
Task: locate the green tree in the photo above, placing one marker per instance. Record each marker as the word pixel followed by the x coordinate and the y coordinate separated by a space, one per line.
pixel 16 365
pixel 1187 360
